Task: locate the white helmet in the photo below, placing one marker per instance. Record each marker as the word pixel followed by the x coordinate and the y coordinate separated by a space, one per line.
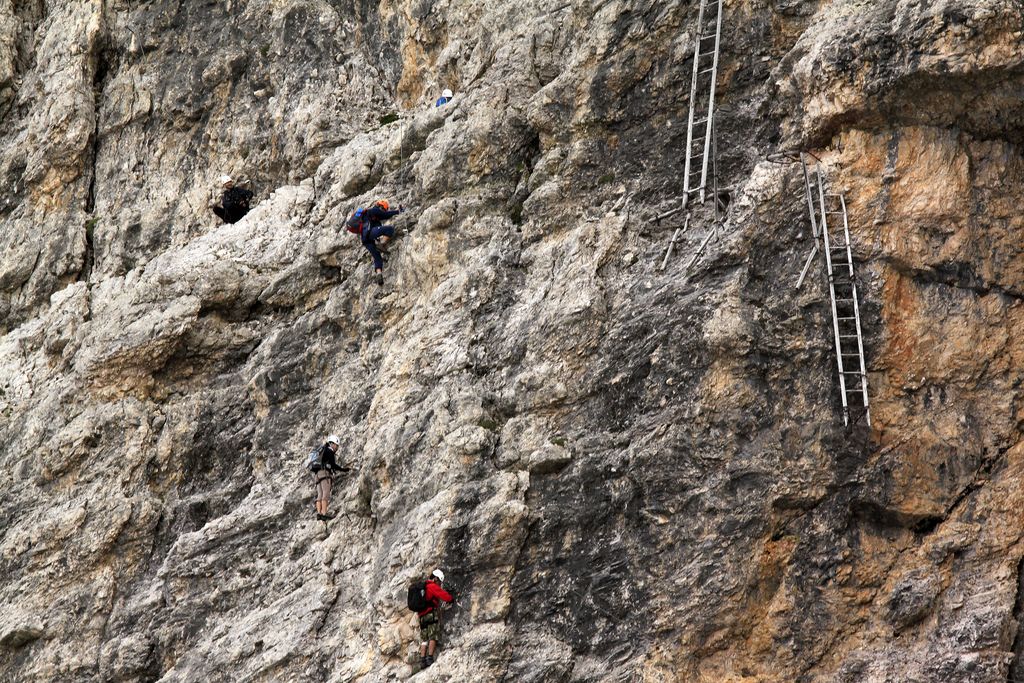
pixel 225 179
pixel 447 93
pixel 438 574
pixel 333 438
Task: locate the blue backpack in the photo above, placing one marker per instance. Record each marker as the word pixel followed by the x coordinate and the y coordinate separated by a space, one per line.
pixel 356 223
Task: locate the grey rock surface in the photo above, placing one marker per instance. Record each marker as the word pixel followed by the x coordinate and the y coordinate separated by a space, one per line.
pixel 627 473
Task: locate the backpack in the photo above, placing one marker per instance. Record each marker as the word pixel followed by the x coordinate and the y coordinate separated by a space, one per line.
pixel 236 199
pixel 417 600
pixel 356 223
pixel 315 460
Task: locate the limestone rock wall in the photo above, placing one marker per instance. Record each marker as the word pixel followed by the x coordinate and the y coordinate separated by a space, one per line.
pixel 628 474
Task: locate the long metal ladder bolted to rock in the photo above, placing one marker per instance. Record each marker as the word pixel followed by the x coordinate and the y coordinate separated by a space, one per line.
pixel 700 125
pixel 832 221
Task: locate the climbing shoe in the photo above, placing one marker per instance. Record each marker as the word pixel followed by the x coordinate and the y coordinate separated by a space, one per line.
pixel 427 661
pixel 380 279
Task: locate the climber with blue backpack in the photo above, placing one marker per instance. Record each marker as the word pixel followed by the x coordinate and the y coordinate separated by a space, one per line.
pixel 322 463
pixel 426 598
pixel 368 224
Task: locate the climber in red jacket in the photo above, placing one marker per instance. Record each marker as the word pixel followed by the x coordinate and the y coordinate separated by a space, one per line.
pixel 430 618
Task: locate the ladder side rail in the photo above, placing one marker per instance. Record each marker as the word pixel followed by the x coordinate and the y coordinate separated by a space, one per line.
pixel 809 198
pixel 693 98
pixel 809 195
pixel 846 234
pixel 860 353
pixel 714 171
pixel 856 315
pixel 711 99
pixel 832 299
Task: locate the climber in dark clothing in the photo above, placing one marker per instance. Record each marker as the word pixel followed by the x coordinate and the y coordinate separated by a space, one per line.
pixel 234 202
pixel 368 224
pixel 323 475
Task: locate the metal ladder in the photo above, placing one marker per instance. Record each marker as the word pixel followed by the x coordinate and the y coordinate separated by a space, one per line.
pixel 826 208
pixel 699 128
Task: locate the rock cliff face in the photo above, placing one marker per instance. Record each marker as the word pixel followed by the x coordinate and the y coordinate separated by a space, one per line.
pixel 628 474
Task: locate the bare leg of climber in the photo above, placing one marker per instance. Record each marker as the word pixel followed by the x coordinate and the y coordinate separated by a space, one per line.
pixel 326 484
pixel 323 492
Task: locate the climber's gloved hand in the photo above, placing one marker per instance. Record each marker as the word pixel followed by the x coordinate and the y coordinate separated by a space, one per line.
pixel 401 209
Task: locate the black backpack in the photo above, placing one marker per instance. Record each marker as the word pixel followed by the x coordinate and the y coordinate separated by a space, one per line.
pixel 417 600
pixel 237 199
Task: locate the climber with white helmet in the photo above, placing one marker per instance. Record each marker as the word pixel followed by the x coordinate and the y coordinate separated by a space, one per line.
pixel 323 465
pixel 426 598
pixel 445 98
pixel 234 203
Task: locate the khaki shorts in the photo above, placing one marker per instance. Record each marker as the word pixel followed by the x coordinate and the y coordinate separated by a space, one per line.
pixel 431 630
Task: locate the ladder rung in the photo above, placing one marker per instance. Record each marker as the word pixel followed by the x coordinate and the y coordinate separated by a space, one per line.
pixel 846 318
pixel 850 372
pixel 706 71
pixel 705 54
pixel 849 336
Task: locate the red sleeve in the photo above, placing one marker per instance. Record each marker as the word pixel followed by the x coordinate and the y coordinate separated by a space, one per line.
pixel 436 592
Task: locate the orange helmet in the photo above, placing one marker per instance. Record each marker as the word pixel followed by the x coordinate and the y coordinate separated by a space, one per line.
pixel 382 203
